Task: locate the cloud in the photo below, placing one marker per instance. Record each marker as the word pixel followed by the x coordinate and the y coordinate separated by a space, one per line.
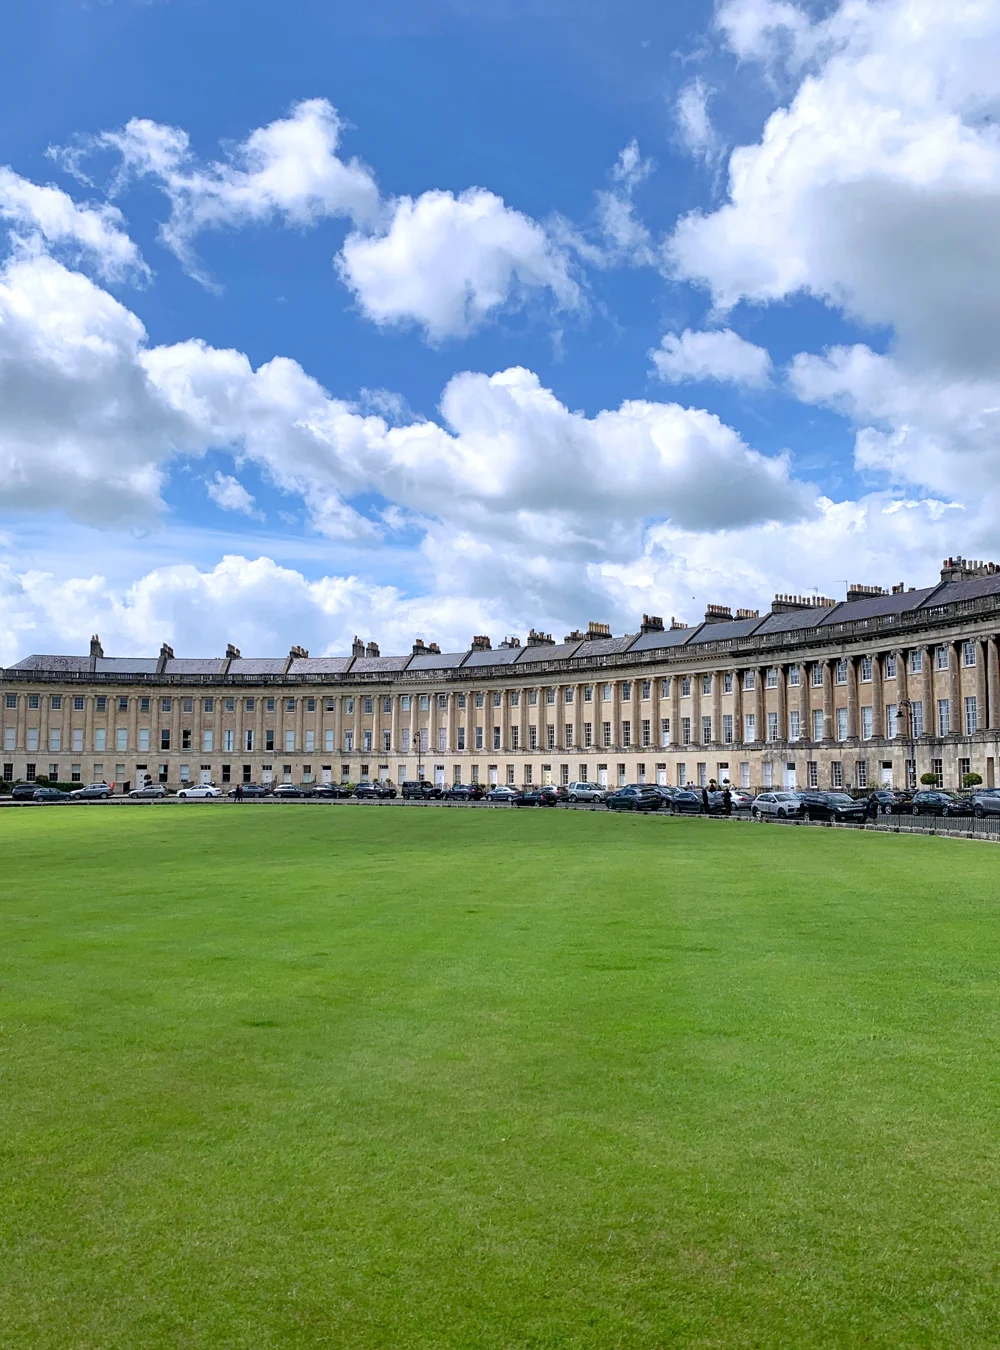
pixel 47 217
pixel 288 170
pixel 877 189
pixel 694 124
pixel 229 494
pixel 713 355
pixel 448 263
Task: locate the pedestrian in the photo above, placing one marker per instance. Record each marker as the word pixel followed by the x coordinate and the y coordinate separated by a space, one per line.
pixel 239 792
pixel 727 800
pixel 704 801
pixel 871 807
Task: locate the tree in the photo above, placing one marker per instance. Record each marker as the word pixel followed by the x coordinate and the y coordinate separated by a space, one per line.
pixel 971 779
pixel 929 779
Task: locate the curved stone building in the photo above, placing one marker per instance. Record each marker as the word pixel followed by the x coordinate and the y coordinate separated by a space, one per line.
pixel 879 688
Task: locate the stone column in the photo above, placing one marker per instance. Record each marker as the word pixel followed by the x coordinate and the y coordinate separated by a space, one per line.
pixel 782 703
pixel 616 717
pixel 982 702
pixel 878 704
pixel 927 692
pixel 828 728
pixel 717 707
pixel 852 699
pixel 992 683
pixel 956 721
pixel 902 685
pixel 696 709
pixel 805 705
pixel 655 715
pixel 737 709
pixel 760 705
pixel 675 711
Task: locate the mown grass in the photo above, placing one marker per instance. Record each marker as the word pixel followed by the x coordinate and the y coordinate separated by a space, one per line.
pixel 375 1078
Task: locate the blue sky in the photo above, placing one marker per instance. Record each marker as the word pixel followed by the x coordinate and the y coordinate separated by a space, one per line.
pixel 771 197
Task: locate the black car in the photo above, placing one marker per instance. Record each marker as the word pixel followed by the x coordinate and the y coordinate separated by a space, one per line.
pixel 248 790
pixel 331 790
pixel 986 802
pixel 375 791
pixel 51 795
pixel 535 796
pixel 421 789
pixel 463 792
pixel 24 792
pixel 689 801
pixel 888 802
pixel 289 790
pixel 935 802
pixel 634 799
pixel 817 805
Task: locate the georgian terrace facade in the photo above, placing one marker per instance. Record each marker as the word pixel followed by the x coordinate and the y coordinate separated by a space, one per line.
pixel 879 688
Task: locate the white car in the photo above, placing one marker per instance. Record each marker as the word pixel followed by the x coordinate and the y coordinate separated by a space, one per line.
pixel 199 790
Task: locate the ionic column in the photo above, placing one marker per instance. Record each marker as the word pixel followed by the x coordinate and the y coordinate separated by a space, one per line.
pixel 805 707
pixel 956 721
pixel 782 701
pixel 852 698
pixel 675 711
pixel 737 707
pixel 982 702
pixel 696 709
pixel 902 685
pixel 878 705
pixel 992 684
pixel 828 700
pixel 760 705
pixel 717 707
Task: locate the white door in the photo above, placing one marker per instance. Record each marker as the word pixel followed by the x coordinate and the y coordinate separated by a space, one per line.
pixel 327 775
pixel 546 778
pixel 661 778
pixel 602 778
pixel 266 778
pixel 790 777
pixel 206 775
pixel 439 776
pixel 493 777
pixel 887 775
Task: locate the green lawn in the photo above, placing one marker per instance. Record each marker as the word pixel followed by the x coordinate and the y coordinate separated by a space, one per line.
pixel 381 1078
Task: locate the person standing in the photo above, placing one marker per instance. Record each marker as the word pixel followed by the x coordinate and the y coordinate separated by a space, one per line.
pixel 239 792
pixel 704 801
pixel 727 800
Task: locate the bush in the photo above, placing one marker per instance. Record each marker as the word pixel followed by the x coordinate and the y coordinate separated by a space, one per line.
pixel 971 779
pixel 929 779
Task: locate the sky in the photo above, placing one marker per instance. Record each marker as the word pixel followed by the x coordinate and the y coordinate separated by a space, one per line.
pixel 321 320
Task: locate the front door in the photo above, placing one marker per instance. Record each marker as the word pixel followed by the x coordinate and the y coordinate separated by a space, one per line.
pixel 602 778
pixel 327 775
pixel 439 775
pixel 661 778
pixel 266 777
pixel 790 777
pixel 493 777
pixel 206 776
pixel 887 775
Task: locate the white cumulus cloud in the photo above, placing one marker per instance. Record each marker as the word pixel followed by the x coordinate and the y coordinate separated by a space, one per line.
pixel 48 217
pixel 714 354
pixel 229 494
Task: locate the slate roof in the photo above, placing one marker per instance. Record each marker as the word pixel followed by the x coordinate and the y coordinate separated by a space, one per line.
pixel 603 647
pixel 186 666
pixel 258 665
pixel 668 637
pixel 67 664
pixel 794 620
pixel 437 661
pixel 372 665
pixel 559 651
pixel 503 656
pixel 726 630
pixel 319 665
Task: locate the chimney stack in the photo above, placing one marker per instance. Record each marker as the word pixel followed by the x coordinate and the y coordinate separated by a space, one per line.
pixel 718 614
pixel 372 649
pixel 651 623
pixel 232 653
pixel 357 646
pixel 96 651
pixel 481 643
pixel 540 639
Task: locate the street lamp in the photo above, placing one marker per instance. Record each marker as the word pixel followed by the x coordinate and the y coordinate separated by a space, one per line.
pixel 906 704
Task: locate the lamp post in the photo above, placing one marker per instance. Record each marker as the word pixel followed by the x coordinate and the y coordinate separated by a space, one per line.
pixel 907 706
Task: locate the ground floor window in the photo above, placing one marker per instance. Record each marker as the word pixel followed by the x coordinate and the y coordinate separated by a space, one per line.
pixel 8 773
pixel 527 774
pixel 682 774
pixel 812 773
pixel 640 770
pixel 345 773
pixel 227 773
pixel 702 775
pixel 163 773
pixel 767 769
pixel 744 775
pixel 563 774
pixel 53 773
pixel 837 774
pixel 937 769
pixel 29 772
pixel 964 767
pixel 286 773
pixel 185 773
pixel 475 773
pixel 861 771
pixel 510 775
pixel 622 776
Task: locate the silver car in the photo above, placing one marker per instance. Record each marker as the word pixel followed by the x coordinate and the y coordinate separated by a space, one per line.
pixel 585 792
pixel 777 805
pixel 149 790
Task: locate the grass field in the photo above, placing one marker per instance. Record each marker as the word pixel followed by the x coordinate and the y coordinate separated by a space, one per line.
pixel 378 1078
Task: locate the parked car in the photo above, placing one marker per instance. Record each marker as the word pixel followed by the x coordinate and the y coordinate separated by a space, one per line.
pixel 817 805
pixel 23 792
pixel 52 796
pixel 779 805
pixel 422 790
pixel 742 800
pixel 331 790
pixel 149 790
pixel 585 792
pixel 536 796
pixel 986 802
pixel 375 791
pixel 888 801
pixel 463 792
pixel 290 791
pixel 93 792
pixel 199 791
pixel 634 798
pixel 936 802
pixel 251 790
pixel 690 801
pixel 502 793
